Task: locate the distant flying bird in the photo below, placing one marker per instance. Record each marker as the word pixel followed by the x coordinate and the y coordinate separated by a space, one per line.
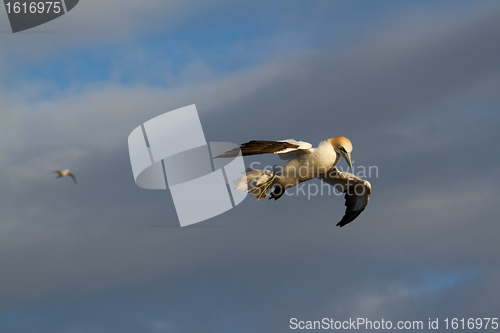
pixel 65 173
pixel 304 163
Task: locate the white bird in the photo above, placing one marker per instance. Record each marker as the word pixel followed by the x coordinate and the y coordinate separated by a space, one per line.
pixel 304 163
pixel 65 173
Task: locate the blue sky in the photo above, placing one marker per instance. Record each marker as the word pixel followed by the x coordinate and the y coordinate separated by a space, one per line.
pixel 414 86
pixel 225 38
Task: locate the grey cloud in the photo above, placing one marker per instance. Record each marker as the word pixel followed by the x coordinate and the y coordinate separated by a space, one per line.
pixel 377 82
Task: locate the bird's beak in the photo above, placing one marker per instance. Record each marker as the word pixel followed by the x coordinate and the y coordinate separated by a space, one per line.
pixel 347 157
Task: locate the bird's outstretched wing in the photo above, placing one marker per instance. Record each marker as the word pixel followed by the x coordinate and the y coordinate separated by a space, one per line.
pixel 282 147
pixel 357 192
pixel 72 177
pixel 59 173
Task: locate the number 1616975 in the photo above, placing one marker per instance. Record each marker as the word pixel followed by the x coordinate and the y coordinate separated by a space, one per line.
pixel 39 7
pixel 471 323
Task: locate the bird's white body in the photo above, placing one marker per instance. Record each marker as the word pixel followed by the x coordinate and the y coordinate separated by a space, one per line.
pixel 63 173
pixel 307 165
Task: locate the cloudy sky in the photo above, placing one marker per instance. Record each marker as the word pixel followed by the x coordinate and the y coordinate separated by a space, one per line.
pixel 414 85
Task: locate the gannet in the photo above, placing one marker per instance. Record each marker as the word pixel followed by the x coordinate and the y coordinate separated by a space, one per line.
pixel 304 163
pixel 65 173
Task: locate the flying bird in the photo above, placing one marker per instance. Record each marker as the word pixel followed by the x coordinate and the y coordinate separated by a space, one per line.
pixel 65 173
pixel 304 163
